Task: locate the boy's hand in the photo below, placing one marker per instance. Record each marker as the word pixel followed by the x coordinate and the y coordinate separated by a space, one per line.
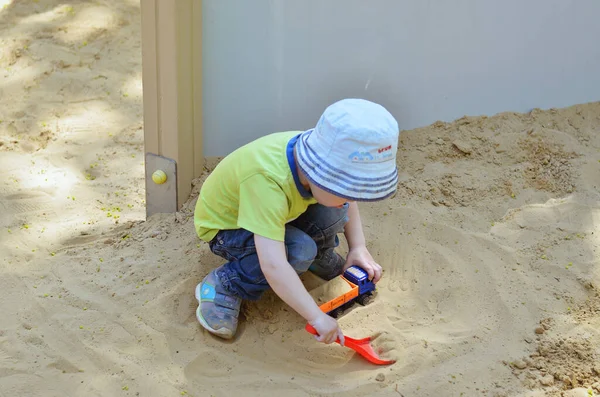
pixel 361 256
pixel 328 329
pixel 286 283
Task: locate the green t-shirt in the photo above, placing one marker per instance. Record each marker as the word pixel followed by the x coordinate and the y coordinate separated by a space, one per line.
pixel 254 188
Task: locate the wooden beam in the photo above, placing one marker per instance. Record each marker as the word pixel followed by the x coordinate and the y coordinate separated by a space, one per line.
pixel 197 80
pixel 150 76
pixel 172 80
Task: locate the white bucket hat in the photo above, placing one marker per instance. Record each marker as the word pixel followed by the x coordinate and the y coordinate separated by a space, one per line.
pixel 351 153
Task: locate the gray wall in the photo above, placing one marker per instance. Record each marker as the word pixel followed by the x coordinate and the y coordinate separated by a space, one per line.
pixel 273 65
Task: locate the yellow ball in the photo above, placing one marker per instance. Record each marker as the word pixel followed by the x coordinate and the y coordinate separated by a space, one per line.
pixel 159 177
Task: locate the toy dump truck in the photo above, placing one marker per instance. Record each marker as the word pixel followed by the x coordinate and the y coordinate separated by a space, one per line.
pixel 361 291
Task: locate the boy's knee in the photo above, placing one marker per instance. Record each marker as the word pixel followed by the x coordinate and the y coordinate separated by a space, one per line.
pixel 301 251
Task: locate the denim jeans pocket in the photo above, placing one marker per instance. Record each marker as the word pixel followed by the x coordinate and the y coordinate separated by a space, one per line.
pixel 224 253
pixel 233 244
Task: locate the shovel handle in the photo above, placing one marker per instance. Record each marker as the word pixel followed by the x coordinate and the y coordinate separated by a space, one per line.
pixel 313 331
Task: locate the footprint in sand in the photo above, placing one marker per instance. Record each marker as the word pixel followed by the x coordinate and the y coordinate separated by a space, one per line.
pixel 64 366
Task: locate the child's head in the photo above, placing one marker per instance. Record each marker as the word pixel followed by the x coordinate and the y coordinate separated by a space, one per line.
pixel 351 154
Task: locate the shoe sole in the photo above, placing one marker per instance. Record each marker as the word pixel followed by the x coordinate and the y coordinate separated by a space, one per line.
pixel 222 333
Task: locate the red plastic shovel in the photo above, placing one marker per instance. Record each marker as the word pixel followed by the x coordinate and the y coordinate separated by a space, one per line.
pixel 361 346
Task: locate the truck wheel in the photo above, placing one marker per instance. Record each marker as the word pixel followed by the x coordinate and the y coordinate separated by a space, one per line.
pixel 364 299
pixel 337 313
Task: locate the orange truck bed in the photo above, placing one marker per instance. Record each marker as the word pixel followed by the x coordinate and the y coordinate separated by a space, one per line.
pixel 342 299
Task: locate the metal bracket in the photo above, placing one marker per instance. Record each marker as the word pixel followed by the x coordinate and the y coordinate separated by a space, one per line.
pixel 161 195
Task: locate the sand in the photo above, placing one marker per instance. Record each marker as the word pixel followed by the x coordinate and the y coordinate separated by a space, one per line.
pixel 490 248
pixel 329 290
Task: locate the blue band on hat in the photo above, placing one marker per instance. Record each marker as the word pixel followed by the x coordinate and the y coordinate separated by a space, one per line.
pixel 347 197
pixel 292 163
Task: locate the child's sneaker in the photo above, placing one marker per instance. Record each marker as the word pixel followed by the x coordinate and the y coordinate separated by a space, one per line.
pixel 218 310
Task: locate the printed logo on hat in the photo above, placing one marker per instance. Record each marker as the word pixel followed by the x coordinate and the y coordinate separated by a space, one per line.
pixel 376 155
pixel 361 156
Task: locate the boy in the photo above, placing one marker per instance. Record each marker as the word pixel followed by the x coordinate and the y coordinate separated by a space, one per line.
pixel 273 209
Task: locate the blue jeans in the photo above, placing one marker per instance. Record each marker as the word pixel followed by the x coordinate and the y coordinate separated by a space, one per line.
pixel 310 241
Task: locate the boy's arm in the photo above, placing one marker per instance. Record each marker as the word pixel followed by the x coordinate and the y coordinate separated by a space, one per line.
pixel 353 229
pixel 285 282
pixel 358 253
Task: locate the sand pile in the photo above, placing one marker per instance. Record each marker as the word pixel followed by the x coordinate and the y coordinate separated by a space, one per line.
pixel 490 248
pixel 330 290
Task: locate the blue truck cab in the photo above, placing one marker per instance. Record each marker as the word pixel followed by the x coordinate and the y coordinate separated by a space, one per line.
pixel 358 276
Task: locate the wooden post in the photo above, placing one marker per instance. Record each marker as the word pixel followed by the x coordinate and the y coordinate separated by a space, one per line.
pixel 172 83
